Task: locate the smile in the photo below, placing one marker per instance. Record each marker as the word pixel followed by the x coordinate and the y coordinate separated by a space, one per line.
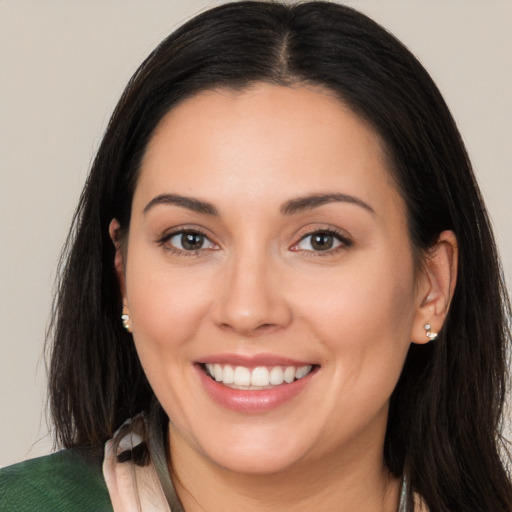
pixel 254 385
pixel 258 378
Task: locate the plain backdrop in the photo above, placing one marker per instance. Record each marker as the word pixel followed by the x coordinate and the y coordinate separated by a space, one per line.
pixel 64 64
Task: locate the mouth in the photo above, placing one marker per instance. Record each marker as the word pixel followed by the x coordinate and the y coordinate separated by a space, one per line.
pixel 257 378
pixel 257 384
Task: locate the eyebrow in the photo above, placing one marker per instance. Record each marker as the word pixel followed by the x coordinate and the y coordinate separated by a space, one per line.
pixel 291 207
pixel 189 203
pixel 315 200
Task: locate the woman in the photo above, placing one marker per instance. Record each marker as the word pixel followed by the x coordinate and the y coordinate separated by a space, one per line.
pixel 281 204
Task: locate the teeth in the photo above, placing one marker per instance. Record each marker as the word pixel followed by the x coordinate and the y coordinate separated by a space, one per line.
pixel 289 374
pixel 228 375
pixel 260 377
pixel 302 372
pixel 241 377
pixel 276 376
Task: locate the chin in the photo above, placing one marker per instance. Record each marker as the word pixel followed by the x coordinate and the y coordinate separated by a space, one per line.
pixel 256 455
pixel 256 464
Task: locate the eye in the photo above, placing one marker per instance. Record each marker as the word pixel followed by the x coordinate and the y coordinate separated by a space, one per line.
pixel 321 241
pixel 188 241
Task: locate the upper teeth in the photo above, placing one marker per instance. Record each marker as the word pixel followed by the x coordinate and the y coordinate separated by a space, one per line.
pixel 258 377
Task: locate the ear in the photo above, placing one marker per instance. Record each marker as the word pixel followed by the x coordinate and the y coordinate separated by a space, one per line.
pixel 114 230
pixel 435 287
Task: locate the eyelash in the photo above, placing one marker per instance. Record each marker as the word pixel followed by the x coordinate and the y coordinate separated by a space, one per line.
pixel 344 242
pixel 163 242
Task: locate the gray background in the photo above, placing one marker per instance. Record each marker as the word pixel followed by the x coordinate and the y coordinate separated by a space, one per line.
pixel 63 66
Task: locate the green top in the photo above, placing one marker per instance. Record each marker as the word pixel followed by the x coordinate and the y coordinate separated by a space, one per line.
pixel 64 481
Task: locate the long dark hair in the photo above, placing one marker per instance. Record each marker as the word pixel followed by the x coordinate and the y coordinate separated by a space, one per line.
pixel 444 422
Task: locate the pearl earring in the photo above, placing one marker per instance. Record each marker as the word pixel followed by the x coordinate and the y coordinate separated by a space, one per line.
pixel 125 318
pixel 429 333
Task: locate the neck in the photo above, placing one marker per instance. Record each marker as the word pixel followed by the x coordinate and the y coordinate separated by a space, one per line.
pixel 349 480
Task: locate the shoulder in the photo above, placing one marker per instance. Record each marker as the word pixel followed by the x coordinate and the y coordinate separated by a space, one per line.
pixel 65 480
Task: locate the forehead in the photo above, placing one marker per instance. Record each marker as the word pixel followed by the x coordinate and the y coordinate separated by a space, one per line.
pixel 265 141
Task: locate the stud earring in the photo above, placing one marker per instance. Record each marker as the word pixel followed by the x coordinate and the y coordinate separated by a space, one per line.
pixel 429 333
pixel 125 318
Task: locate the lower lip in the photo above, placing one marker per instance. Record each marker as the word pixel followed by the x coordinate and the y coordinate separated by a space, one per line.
pixel 252 401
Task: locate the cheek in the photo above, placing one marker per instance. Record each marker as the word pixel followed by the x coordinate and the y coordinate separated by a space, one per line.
pixel 363 318
pixel 165 304
pixel 166 307
pixel 363 313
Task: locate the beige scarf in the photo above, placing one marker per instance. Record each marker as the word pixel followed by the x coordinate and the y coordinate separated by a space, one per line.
pixel 132 488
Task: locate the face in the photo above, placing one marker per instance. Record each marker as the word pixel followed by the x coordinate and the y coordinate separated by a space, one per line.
pixel 269 279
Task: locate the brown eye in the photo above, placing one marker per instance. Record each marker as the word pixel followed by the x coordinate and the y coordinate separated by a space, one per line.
pixel 190 241
pixel 322 241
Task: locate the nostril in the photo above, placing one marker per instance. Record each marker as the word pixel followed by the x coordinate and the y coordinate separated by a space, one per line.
pixel 266 327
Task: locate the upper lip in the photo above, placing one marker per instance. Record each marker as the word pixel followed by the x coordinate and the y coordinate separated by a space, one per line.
pixel 252 361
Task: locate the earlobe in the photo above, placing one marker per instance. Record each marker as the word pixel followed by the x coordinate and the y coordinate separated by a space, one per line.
pixel 436 288
pixel 114 232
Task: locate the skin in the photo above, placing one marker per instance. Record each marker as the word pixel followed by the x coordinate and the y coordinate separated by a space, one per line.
pixel 257 286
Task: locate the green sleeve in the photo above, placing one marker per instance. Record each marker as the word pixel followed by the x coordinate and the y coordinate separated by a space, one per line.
pixel 63 481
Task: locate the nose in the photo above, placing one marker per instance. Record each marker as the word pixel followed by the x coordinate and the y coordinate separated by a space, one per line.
pixel 251 299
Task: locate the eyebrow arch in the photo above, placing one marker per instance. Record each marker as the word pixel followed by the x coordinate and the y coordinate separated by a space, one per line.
pixel 190 203
pixel 315 200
